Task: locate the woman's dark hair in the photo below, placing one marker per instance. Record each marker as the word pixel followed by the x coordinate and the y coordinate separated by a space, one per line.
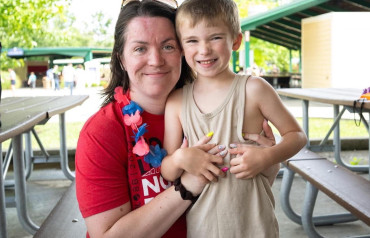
pixel 133 9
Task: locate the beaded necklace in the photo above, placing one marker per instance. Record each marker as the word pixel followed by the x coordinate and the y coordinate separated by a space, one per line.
pixel 131 111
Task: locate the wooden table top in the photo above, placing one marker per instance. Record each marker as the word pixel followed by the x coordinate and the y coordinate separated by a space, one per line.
pixel 335 96
pixel 20 114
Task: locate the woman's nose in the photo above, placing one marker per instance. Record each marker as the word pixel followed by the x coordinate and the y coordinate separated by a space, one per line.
pixel 156 58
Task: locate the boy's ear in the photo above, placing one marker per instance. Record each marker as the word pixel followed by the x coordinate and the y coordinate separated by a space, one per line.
pixel 237 41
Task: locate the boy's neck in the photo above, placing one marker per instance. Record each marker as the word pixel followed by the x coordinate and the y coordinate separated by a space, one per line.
pixel 224 77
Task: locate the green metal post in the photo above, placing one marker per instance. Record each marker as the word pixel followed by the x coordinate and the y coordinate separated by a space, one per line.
pixel 290 61
pixel 235 56
pixel 88 56
pixel 247 49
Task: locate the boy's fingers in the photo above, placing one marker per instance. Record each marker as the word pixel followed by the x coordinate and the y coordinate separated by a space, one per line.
pixel 206 147
pixel 217 171
pixel 204 140
pixel 217 149
pixel 209 176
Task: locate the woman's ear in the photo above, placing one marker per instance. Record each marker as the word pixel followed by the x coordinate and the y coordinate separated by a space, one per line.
pixel 237 41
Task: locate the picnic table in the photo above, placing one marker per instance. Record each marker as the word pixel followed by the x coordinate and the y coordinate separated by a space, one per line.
pixel 337 97
pixel 337 181
pixel 18 115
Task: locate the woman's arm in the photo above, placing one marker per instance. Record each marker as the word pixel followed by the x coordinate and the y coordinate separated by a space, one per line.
pixel 151 220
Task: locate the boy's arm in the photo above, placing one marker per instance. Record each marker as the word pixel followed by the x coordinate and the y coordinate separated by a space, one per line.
pixel 256 159
pixel 197 160
pixel 173 136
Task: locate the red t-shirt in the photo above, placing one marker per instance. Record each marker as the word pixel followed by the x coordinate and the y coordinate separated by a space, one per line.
pixel 108 174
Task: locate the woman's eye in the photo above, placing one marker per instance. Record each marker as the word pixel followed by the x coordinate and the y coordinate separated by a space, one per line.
pixel 169 47
pixel 139 49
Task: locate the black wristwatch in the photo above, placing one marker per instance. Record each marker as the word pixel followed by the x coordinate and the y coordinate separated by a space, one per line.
pixel 185 194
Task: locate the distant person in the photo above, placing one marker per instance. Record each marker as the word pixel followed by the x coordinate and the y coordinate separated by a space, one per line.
pixel 50 76
pixel 32 80
pixel 56 74
pixel 275 70
pixel 80 77
pixel 69 76
pixel 12 77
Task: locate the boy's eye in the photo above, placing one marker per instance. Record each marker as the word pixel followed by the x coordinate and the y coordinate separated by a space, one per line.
pixel 216 38
pixel 190 41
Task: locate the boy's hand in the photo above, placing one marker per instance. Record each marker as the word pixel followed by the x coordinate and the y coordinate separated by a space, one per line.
pixel 192 183
pixel 202 159
pixel 251 159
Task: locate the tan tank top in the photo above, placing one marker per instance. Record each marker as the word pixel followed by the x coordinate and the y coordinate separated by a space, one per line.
pixel 230 207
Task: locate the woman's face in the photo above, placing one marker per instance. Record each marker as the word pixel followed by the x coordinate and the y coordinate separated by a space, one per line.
pixel 151 57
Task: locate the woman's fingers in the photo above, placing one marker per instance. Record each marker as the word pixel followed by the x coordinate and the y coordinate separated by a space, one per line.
pixel 267 140
pixel 268 130
pixel 185 143
pixel 260 139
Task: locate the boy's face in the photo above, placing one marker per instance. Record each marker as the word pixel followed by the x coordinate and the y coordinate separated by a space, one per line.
pixel 208 48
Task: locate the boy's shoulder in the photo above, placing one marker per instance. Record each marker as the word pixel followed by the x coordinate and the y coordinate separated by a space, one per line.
pixel 175 96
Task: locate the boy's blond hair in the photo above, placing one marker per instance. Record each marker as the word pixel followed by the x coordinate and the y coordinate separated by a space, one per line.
pixel 195 11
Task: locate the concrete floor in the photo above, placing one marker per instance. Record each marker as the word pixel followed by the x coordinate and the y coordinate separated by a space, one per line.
pixel 47 183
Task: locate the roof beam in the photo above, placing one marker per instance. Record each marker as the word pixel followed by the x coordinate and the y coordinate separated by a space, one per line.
pixel 285 38
pixel 274 41
pixel 252 22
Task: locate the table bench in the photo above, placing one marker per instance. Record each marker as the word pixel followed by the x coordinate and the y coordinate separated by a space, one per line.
pixel 19 115
pixel 65 220
pixel 347 188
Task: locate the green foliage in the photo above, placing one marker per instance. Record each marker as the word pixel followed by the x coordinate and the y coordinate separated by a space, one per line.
pixel 266 54
pixel 23 21
pixel 355 161
pixel 47 23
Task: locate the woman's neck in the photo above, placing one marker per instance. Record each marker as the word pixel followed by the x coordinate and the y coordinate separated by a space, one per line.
pixel 152 105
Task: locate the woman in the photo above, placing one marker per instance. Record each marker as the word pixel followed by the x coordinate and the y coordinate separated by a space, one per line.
pixel 119 188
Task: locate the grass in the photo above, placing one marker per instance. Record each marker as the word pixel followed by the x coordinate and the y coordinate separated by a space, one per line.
pixel 49 133
pixel 318 128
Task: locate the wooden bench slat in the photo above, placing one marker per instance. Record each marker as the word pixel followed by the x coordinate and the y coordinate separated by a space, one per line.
pixel 342 185
pixel 65 220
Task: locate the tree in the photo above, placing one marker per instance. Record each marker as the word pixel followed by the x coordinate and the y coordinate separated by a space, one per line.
pixel 22 22
pixel 265 53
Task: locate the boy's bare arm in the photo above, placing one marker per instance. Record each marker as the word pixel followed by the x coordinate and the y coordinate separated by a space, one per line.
pixel 173 136
pixel 257 159
pixel 197 160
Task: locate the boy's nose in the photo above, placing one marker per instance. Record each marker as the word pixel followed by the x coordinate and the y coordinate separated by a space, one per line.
pixel 204 48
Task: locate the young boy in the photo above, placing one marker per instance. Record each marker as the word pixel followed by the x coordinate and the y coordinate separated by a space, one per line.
pixel 241 204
